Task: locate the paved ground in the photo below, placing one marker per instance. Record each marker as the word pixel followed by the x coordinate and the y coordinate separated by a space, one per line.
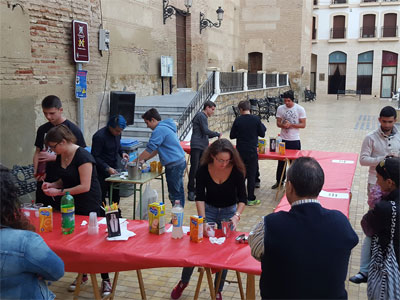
pixel 331 126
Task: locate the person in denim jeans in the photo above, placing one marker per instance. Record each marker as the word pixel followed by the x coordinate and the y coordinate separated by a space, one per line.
pixel 220 195
pixel 26 260
pixel 164 142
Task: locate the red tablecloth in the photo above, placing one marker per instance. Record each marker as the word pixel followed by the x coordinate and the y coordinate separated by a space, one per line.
pixel 339 169
pixel 94 254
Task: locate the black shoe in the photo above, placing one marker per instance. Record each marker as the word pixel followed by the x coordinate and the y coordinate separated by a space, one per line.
pixel 191 196
pixel 275 185
pixel 257 184
pixel 359 278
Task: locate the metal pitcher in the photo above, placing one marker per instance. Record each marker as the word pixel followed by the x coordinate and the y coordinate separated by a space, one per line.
pixel 134 171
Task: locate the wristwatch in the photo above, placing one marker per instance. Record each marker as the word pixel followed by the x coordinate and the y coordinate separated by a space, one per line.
pixel 237 214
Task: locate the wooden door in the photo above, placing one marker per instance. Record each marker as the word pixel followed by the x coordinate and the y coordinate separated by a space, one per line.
pixel 338 27
pixel 181 51
pixel 255 62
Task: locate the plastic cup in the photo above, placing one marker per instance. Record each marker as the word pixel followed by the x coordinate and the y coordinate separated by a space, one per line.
pixel 93 227
pixel 36 207
pixel 210 229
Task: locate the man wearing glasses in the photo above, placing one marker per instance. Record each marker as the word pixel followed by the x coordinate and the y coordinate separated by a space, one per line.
pixel 378 144
pixel 53 111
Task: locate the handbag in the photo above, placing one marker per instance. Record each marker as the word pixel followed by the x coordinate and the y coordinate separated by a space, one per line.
pixel 383 273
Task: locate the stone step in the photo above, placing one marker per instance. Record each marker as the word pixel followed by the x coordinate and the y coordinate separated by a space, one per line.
pixel 138 131
pixel 164 115
pixel 160 109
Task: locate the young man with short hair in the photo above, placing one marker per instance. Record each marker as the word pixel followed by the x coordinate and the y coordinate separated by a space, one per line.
pixel 378 144
pixel 164 142
pixel 290 117
pixel 246 129
pixel 199 142
pixel 53 111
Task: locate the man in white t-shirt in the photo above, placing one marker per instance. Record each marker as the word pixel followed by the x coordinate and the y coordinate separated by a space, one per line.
pixel 290 117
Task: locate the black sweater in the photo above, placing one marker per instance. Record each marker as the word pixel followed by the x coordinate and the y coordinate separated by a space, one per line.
pixel 246 129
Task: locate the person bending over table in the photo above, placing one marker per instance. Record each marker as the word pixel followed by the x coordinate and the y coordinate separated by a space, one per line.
pixel 76 171
pixel 26 260
pixel 220 195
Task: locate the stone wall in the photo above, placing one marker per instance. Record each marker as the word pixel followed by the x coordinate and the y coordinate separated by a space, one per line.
pixel 223 117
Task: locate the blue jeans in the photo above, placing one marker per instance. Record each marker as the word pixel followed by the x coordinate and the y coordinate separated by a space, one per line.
pixel 213 214
pixel 174 175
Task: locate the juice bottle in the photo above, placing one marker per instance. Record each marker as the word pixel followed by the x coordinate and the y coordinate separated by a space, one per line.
pixel 67 214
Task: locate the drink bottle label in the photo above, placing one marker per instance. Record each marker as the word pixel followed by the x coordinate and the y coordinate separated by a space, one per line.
pixel 177 219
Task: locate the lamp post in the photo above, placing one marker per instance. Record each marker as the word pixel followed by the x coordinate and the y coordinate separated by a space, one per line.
pixel 169 10
pixel 204 22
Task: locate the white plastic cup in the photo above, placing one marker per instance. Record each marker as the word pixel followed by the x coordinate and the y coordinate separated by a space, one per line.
pixel 36 207
pixel 93 227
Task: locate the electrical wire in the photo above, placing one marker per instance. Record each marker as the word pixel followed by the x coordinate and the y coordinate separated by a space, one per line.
pixel 104 90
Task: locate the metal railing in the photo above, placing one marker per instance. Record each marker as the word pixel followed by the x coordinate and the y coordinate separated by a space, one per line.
pixel 365 1
pixel 314 33
pixel 282 79
pixel 270 80
pixel 338 33
pixel 368 32
pixel 315 2
pixel 205 92
pixel 230 82
pixel 390 0
pixel 339 2
pixel 254 81
pixel 390 31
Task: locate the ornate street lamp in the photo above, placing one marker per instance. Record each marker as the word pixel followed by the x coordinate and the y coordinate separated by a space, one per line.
pixel 169 10
pixel 204 22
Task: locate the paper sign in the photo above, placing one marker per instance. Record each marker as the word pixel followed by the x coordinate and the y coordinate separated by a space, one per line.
pixel 334 195
pixel 81 84
pixel 342 161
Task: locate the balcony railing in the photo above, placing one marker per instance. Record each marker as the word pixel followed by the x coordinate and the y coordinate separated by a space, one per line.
pixel 368 32
pixel 339 2
pixel 315 2
pixel 314 33
pixel 390 0
pixel 231 82
pixel 365 1
pixel 390 31
pixel 254 81
pixel 338 33
pixel 270 80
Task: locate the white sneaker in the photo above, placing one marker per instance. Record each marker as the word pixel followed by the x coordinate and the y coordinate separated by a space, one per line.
pixel 105 288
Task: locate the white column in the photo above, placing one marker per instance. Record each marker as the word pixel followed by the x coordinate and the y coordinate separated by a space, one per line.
pixel 245 88
pixel 263 78
pixel 217 89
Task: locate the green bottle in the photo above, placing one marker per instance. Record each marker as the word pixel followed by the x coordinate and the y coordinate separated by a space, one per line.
pixel 67 214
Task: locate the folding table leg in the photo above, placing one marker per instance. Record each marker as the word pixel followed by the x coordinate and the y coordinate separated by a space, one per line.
pixel 114 285
pixel 219 276
pixel 162 188
pixel 239 278
pixel 96 291
pixel 111 192
pixel 134 201
pixel 281 179
pixel 250 287
pixel 196 293
pixel 186 168
pixel 210 283
pixel 141 284
pixel 140 199
pixel 78 286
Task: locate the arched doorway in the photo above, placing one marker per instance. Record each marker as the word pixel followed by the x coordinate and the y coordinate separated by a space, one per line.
pixel 337 72
pixel 364 72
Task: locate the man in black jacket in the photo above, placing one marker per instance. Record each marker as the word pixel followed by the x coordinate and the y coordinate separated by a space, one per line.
pixel 304 252
pixel 246 129
pixel 199 142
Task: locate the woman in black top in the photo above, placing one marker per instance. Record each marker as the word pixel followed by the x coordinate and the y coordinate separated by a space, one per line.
pixel 76 169
pixel 220 195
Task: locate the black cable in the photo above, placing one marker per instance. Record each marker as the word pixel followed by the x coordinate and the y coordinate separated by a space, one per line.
pixel 104 91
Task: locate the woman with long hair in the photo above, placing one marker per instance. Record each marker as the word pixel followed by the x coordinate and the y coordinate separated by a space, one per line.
pixel 382 224
pixel 220 195
pixel 76 169
pixel 26 260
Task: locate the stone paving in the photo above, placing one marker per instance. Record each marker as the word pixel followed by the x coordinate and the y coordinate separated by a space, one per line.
pixel 331 126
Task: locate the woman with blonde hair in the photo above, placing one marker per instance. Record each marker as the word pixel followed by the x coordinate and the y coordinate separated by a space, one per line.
pixel 220 195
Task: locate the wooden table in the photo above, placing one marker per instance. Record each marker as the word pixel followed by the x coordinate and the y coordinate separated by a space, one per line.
pixel 116 181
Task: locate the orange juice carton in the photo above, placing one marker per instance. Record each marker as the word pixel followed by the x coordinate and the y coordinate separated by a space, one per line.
pixel 153 166
pixel 46 219
pixel 261 146
pixel 157 217
pixel 159 167
pixel 196 228
pixel 282 148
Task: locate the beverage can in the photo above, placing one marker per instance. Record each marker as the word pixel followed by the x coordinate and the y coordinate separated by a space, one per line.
pixel 282 149
pixel 196 228
pixel 272 144
pixel 46 219
pixel 157 218
pixel 261 146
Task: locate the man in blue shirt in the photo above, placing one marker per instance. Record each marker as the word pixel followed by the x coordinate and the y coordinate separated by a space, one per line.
pixel 164 142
